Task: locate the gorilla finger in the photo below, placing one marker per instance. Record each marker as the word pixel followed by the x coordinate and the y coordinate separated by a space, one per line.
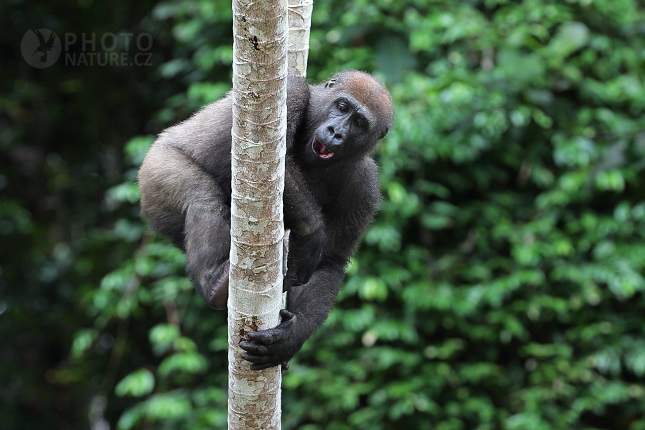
pixel 254 347
pixel 257 359
pixel 262 366
pixel 286 315
pixel 266 337
pixel 285 366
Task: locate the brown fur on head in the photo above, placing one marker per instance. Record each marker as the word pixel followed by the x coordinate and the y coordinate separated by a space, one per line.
pixel 369 91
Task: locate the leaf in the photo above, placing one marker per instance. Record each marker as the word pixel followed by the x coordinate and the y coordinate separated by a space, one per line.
pixel 126 192
pixel 186 362
pixel 137 147
pixel 167 406
pixel 373 289
pixel 571 36
pixel 136 384
pixel 162 337
pixel 610 180
pixel 83 341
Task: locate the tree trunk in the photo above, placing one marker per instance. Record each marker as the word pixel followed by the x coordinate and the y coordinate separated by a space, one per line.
pixel 299 28
pixel 258 150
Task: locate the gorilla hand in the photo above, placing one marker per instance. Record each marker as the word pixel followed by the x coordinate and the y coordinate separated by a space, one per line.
pixel 273 347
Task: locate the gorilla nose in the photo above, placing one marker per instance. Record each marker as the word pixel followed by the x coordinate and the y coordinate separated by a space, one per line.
pixel 335 139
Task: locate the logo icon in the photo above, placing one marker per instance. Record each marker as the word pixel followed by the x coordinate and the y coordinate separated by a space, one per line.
pixel 40 48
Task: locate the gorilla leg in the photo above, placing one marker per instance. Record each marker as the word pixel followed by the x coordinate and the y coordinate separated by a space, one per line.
pixel 182 201
pixel 207 243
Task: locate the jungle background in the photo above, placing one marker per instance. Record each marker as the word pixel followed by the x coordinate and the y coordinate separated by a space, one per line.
pixel 501 285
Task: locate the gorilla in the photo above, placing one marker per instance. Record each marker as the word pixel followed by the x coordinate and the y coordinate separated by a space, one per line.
pixel 330 196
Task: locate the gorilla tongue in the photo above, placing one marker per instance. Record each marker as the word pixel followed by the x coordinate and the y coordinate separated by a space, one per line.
pixel 322 150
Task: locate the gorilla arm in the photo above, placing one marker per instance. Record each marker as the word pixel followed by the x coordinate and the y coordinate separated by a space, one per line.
pixel 304 218
pixel 309 305
pixel 302 214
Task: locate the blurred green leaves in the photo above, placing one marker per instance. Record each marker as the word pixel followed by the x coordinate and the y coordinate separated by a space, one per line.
pixel 136 384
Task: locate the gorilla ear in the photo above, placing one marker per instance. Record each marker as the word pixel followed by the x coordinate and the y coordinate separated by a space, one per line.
pixel 330 83
pixel 383 133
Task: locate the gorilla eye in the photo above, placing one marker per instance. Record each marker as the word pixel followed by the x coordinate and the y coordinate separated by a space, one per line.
pixel 342 106
pixel 360 122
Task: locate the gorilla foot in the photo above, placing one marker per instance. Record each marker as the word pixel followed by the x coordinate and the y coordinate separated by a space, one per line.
pixel 218 294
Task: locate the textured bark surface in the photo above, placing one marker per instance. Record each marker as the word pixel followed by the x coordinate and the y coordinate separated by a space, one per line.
pixel 259 127
pixel 299 28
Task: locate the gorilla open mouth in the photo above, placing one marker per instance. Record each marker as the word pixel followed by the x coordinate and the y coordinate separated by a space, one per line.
pixel 321 150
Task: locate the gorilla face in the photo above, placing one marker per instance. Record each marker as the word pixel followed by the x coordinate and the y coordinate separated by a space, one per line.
pixel 345 126
pixel 347 116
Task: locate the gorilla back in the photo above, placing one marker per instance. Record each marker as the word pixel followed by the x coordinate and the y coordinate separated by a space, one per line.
pixel 331 194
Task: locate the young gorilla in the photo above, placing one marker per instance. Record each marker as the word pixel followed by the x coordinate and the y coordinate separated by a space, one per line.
pixel 331 194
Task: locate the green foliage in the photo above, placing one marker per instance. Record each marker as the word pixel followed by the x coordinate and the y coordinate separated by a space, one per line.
pixel 501 285
pixel 136 384
pixel 188 362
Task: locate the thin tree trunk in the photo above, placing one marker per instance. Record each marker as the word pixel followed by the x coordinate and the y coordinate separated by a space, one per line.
pixel 299 28
pixel 298 53
pixel 259 145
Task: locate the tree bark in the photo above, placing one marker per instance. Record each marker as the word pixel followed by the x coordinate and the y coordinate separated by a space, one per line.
pixel 258 151
pixel 299 28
